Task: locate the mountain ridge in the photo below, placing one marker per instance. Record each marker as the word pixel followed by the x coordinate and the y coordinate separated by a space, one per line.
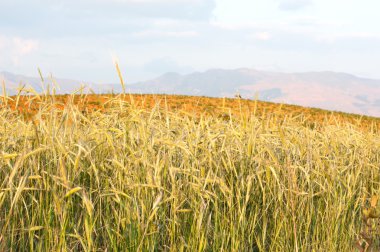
pixel 336 91
pixel 63 85
pixel 325 89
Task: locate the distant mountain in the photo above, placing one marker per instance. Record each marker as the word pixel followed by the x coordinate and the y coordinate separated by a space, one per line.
pixel 63 86
pixel 327 90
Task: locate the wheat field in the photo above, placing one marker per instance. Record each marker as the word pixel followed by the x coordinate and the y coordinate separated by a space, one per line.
pixel 129 178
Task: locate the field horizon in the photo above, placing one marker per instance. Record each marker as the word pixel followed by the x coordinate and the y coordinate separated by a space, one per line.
pixel 200 105
pixel 327 90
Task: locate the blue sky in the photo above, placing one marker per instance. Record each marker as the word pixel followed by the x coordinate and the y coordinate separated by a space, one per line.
pixel 79 38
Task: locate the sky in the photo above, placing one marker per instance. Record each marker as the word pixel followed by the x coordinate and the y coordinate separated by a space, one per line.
pixel 80 39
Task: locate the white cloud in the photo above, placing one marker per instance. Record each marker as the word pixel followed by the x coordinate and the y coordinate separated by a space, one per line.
pixel 263 36
pixel 13 49
pixel 234 27
pixel 24 46
pixel 294 4
pixel 334 37
pixel 2 42
pixel 172 34
pixel 150 1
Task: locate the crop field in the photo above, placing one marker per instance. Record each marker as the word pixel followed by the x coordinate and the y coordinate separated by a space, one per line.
pixel 177 173
pixel 196 106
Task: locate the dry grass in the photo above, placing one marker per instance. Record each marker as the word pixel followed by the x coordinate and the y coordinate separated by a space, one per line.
pixel 132 177
pixel 195 105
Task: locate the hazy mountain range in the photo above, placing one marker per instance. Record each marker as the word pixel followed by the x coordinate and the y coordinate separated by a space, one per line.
pixel 63 86
pixel 327 90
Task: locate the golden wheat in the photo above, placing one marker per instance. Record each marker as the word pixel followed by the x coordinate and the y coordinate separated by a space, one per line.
pixel 129 178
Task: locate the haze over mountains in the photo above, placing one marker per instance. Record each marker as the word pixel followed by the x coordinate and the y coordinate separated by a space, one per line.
pixel 63 86
pixel 326 90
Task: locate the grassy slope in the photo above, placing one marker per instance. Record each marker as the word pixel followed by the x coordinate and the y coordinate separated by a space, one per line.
pixel 217 107
pixel 79 175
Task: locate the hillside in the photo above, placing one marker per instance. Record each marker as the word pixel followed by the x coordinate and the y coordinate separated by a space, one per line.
pixel 326 90
pixel 198 105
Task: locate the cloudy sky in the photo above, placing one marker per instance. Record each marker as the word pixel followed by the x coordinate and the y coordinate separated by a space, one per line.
pixel 79 39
